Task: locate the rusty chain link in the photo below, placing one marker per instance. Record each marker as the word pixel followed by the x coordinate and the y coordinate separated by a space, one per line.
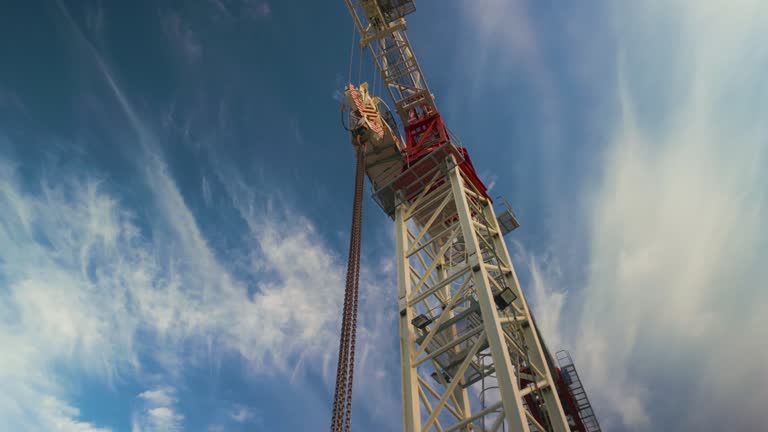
pixel 341 420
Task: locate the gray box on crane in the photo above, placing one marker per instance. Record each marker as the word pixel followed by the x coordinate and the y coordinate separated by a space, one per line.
pixel 396 9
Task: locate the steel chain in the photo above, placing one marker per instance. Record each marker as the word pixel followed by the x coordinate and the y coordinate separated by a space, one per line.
pixel 341 420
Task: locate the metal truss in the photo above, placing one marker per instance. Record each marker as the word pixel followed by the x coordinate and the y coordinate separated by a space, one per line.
pixel 386 38
pixel 471 357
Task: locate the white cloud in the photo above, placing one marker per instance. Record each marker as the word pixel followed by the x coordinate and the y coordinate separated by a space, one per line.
pixel 181 36
pixel 673 306
pixel 221 7
pixel 544 293
pixel 83 277
pixel 161 396
pixel 672 300
pixel 206 188
pixel 242 414
pixel 60 417
pixel 304 301
pixel 489 179
pixel 50 301
pixel 83 281
pixel 252 9
pixel 505 21
pixel 94 20
pixel 500 47
pixel 159 412
pixel 258 9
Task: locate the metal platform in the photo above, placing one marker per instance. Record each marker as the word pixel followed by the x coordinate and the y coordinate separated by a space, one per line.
pixel 396 9
pixel 507 220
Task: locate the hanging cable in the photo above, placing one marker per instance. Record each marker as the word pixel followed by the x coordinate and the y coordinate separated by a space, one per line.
pixel 360 67
pixel 375 80
pixel 341 421
pixel 344 125
pixel 352 52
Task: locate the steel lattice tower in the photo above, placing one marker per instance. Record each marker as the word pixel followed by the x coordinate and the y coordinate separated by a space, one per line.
pixel 459 296
pixel 471 356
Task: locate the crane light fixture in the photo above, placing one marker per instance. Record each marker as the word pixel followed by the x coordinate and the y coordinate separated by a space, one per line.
pixel 504 298
pixel 421 321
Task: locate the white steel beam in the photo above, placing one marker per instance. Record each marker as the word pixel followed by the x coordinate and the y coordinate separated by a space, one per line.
pixel 411 408
pixel 510 393
pixel 536 348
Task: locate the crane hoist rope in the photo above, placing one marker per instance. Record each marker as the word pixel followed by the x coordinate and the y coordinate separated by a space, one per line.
pixel 342 400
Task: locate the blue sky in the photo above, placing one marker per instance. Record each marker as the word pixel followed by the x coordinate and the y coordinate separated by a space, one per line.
pixel 175 194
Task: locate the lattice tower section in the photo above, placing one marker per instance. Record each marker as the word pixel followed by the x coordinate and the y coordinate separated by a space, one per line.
pixel 463 317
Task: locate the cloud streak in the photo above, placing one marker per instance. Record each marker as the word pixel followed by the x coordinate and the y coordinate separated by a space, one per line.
pixel 90 286
pixel 676 225
pixel 183 39
pixel 676 228
pixel 57 300
pixel 670 307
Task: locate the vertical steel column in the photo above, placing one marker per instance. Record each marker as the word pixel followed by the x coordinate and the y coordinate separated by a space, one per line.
pixel 510 393
pixel 411 407
pixel 535 348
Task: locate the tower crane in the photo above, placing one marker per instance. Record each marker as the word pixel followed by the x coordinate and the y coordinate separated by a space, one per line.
pixel 472 358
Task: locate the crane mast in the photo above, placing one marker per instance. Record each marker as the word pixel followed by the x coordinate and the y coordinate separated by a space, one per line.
pixel 471 357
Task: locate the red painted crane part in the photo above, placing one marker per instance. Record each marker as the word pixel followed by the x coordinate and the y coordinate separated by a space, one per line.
pixel 427 135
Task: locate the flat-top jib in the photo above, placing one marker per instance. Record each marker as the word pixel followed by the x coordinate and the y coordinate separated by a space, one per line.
pixel 382 30
pixel 427 141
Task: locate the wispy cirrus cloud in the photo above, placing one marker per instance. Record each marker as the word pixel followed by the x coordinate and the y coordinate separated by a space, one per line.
pixel 181 36
pixel 55 249
pixel 61 417
pixel 83 282
pixel 544 292
pixel 243 414
pixel 206 191
pixel 95 21
pixel 676 225
pixel 489 179
pixel 251 9
pixel 674 219
pixel 90 284
pixel 258 9
pixel 507 21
